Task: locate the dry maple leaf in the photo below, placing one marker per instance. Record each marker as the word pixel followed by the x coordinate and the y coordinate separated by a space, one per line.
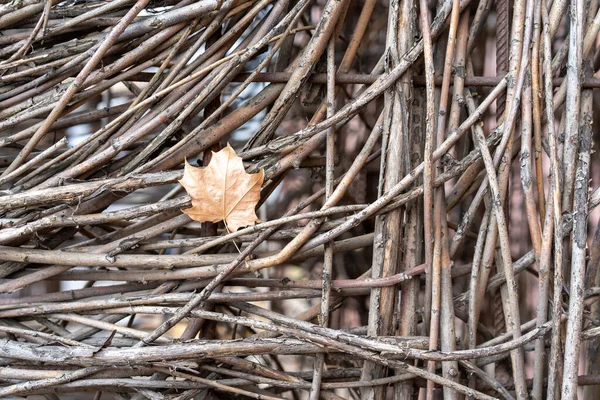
pixel 223 190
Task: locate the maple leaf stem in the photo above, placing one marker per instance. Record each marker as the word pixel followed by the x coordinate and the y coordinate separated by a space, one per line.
pixel 236 246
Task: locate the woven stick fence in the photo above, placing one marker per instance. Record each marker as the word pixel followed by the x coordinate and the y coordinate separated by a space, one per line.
pixel 428 204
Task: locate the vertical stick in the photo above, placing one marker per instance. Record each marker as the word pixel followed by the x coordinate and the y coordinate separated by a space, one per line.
pixel 433 283
pixel 555 203
pixel 545 257
pixel 442 252
pixel 502 47
pixel 579 246
pixel 329 179
pixel 573 100
pixel 412 239
pixel 537 111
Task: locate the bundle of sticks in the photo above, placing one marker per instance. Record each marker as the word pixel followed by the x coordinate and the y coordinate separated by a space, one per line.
pixel 428 205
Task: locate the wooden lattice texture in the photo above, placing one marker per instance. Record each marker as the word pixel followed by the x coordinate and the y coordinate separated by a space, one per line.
pixel 426 226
